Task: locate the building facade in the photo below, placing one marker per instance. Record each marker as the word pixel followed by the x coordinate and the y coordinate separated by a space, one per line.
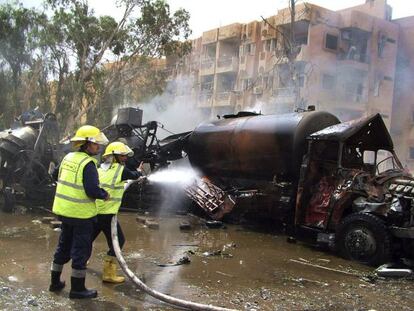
pixel 352 62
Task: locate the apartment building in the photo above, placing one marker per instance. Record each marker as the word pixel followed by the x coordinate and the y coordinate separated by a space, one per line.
pixel 351 62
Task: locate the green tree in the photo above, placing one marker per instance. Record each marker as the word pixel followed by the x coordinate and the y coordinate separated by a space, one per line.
pixel 16 54
pixel 78 44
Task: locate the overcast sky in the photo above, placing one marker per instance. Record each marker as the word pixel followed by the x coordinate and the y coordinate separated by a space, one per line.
pixel 209 14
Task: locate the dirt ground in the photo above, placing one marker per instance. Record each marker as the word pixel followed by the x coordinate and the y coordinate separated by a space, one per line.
pixel 231 267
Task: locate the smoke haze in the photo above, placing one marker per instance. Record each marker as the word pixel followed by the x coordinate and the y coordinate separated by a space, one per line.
pixel 176 108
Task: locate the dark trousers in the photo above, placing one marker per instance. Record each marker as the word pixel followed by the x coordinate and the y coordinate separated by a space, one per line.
pixel 75 242
pixel 104 225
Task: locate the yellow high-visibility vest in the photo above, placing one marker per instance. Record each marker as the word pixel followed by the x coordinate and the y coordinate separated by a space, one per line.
pixel 70 198
pixel 110 180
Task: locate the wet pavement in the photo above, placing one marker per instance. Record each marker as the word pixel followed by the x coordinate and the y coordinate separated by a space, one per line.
pixel 231 267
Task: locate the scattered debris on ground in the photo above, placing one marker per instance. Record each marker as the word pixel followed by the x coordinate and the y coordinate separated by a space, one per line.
pixel 185 260
pixel 152 224
pixel 393 270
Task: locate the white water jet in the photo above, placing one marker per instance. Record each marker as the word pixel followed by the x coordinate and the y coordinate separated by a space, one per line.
pixel 182 177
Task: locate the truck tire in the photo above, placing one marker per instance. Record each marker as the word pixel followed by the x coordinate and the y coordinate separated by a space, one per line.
pixel 364 238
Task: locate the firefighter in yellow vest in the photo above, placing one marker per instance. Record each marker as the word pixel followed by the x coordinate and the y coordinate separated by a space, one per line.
pixel 112 176
pixel 76 192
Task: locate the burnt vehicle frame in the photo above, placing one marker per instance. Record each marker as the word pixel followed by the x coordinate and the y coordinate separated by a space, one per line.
pixel 355 205
pixel 127 126
pixel 29 150
pixel 322 190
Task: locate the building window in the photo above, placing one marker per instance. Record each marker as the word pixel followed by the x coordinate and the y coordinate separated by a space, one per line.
pixel 272 44
pixel 266 46
pixel 269 45
pixel 249 83
pixel 411 152
pixel 331 42
pixel 246 84
pixel 377 85
pixel 250 48
pixel 207 86
pixel 269 82
pixel 382 39
pixel 265 81
pixel 301 81
pixel 354 91
pixel 328 82
pixel 302 39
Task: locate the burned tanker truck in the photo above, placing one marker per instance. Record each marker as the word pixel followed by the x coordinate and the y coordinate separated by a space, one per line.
pixel 339 183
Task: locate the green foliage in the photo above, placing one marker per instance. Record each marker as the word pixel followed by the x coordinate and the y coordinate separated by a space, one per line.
pixel 64 56
pixel 17 46
pixel 155 30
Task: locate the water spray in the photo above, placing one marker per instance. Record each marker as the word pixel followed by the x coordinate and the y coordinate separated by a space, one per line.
pixel 182 177
pixel 213 200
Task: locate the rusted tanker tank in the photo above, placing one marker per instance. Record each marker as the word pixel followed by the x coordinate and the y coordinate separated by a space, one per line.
pixel 339 183
pixel 258 147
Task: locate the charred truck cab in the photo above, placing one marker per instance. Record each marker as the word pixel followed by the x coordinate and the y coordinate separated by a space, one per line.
pixel 342 182
pixel 354 193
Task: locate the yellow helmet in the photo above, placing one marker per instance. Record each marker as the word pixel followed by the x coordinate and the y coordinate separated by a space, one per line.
pixel 118 148
pixel 90 133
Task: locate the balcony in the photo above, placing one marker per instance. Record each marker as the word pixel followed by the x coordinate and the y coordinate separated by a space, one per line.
pixel 207 67
pixel 353 57
pixel 268 31
pixel 250 31
pixel 358 20
pixel 209 36
pixel 225 98
pixel 303 13
pixel 232 31
pixel 227 64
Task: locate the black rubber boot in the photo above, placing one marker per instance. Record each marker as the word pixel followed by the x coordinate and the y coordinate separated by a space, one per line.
pixel 79 291
pixel 55 283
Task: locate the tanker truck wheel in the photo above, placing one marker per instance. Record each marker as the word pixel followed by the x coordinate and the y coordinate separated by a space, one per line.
pixel 364 238
pixel 8 200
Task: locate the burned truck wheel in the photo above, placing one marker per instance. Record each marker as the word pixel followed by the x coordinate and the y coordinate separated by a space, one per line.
pixel 364 238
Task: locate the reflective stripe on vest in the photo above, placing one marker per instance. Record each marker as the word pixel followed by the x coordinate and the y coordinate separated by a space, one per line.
pixel 111 181
pixel 70 198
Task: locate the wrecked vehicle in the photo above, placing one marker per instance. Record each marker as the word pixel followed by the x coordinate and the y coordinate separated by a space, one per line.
pixel 339 183
pixel 30 150
pixel 127 126
pixel 335 184
pixel 28 153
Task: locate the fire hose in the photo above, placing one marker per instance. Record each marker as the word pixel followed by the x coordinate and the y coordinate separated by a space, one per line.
pixel 150 291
